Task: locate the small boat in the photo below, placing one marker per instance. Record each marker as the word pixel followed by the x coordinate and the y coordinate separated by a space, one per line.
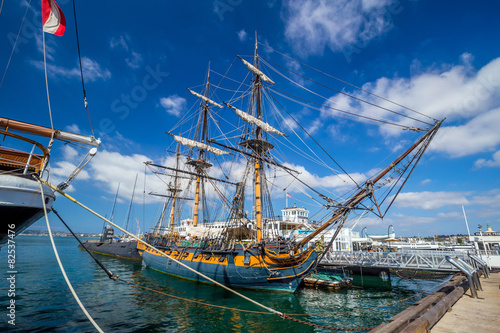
pixel 20 195
pixel 327 281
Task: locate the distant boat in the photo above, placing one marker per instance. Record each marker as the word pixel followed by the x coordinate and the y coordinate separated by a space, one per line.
pixel 20 196
pixel 233 248
pixel 109 244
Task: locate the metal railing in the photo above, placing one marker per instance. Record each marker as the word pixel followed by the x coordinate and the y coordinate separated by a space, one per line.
pixel 417 260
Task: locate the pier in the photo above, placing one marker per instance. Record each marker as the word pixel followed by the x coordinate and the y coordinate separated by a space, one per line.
pixel 470 314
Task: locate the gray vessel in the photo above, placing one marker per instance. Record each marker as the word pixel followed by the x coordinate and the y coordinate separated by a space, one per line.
pixel 110 245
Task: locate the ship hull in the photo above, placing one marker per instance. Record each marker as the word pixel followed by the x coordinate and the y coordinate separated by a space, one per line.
pixel 235 268
pixel 21 204
pixel 125 250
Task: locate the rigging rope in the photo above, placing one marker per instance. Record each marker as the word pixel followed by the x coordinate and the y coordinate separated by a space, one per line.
pixel 60 264
pixel 344 93
pixel 158 251
pixel 333 77
pixel 47 83
pixel 15 43
pixel 81 70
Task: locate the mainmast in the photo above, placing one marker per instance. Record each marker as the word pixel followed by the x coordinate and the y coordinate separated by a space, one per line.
pixel 257 144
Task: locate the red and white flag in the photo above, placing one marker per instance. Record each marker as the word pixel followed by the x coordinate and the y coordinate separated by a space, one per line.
pixel 53 18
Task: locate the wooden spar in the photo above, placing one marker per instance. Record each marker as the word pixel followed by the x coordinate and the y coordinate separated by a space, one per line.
pixel 363 193
pixel 199 169
pixel 253 155
pixel 258 167
pixel 196 202
pixel 190 173
pixel 258 200
pixel 10 124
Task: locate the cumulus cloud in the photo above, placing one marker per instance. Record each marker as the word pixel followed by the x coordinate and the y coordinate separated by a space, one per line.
pixel 173 104
pixel 494 162
pixel 478 135
pixel 431 200
pixel 467 97
pixel 313 25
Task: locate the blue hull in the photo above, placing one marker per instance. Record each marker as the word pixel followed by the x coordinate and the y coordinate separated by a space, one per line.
pixel 224 269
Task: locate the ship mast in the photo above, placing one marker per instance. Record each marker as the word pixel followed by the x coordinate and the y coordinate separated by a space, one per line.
pixel 200 164
pixel 174 190
pixel 258 145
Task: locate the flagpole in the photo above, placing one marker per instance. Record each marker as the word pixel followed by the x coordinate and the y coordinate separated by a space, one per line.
pixel 286 199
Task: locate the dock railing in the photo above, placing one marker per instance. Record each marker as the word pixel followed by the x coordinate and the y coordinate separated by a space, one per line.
pixel 417 260
pixel 469 271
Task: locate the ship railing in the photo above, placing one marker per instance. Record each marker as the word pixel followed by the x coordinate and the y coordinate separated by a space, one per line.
pixel 21 160
pixel 488 252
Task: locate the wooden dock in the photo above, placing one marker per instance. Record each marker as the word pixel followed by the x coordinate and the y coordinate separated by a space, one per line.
pixel 451 309
pixel 474 315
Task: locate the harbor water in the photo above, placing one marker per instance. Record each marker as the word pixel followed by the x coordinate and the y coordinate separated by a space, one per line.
pixel 43 302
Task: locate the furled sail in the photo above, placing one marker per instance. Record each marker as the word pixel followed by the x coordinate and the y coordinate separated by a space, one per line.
pixel 205 99
pixel 195 144
pixel 257 71
pixel 257 122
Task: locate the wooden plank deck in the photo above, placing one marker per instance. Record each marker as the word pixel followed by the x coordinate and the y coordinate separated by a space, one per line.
pixel 474 315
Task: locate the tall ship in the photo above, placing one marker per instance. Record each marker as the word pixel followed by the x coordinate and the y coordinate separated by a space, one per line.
pixel 231 170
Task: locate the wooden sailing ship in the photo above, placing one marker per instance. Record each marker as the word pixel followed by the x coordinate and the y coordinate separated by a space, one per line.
pixel 240 251
pixel 20 195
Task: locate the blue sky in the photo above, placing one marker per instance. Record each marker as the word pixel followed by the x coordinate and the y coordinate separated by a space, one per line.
pixel 442 59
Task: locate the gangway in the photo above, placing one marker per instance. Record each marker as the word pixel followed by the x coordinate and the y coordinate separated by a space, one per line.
pixel 414 260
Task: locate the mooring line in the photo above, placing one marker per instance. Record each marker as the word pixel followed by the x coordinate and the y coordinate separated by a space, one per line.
pixel 61 266
pixel 270 310
pixel 158 251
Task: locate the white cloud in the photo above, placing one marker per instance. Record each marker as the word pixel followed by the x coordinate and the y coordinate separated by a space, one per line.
pixel 92 71
pixel 242 35
pixel 73 129
pixel 431 200
pixel 481 134
pixel 313 25
pixel 457 92
pixel 494 162
pixel 173 104
pixel 112 168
